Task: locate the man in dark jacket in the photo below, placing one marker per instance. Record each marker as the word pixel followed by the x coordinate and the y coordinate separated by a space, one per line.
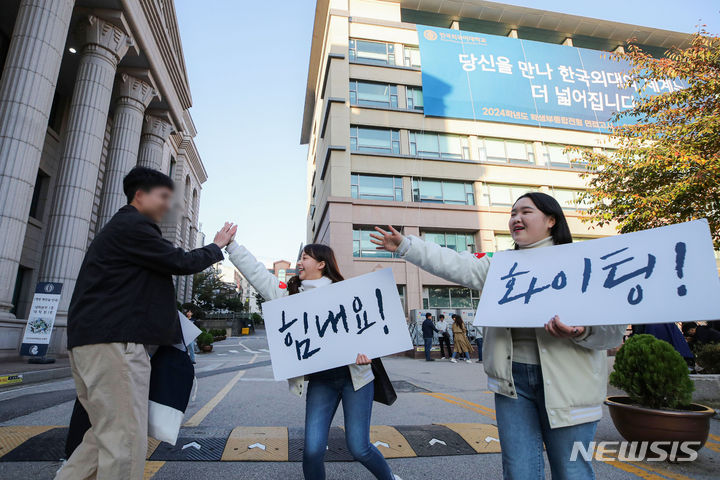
pixel 428 328
pixel 124 302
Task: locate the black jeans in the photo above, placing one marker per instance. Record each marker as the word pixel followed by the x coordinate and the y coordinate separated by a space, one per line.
pixel 445 340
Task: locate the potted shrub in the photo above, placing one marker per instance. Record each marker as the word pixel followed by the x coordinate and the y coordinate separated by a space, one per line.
pixel 659 390
pixel 205 341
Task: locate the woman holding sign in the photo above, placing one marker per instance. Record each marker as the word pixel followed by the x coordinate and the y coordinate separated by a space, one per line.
pixel 550 382
pixel 351 384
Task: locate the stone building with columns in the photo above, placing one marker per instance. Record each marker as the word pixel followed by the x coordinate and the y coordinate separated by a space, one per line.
pixel 89 89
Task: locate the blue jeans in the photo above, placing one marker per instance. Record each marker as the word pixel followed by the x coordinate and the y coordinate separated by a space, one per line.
pixel 428 347
pixel 523 427
pixel 479 343
pixel 191 351
pixel 323 398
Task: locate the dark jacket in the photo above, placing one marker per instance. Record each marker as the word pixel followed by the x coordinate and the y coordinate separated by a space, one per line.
pixel 125 291
pixel 428 327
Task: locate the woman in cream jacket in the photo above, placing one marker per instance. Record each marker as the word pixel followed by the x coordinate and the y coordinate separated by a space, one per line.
pixel 351 384
pixel 549 383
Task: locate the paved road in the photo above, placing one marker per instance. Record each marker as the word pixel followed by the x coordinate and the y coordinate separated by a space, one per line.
pixel 236 391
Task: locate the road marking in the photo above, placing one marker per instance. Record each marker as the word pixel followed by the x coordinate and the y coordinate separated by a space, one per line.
pixel 257 445
pixel 491 439
pixel 151 468
pixel 476 435
pixel 200 415
pixel 194 445
pixel 248 350
pixel 715 437
pixel 379 444
pixel 477 408
pixel 435 440
pixel 643 469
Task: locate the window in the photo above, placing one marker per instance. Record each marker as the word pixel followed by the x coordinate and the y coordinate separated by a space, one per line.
pixel 503 242
pixel 556 156
pixel 373 94
pixel 439 145
pixel 20 278
pixel 498 150
pixel 171 170
pixel 401 292
pixel 450 297
pixel 569 199
pixel 364 248
pixel 415 98
pixel 411 57
pixel 376 53
pixel 37 204
pixel 374 140
pixel 460 242
pixel 375 187
pixel 505 195
pixel 438 191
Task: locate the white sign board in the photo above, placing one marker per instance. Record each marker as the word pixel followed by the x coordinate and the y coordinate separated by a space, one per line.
pixel 41 319
pixel 661 275
pixel 327 327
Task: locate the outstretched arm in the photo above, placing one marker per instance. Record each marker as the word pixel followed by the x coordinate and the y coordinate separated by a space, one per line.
pixel 256 273
pixel 462 268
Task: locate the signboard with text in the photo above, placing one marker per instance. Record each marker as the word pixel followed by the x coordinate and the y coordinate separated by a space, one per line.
pixel 328 327
pixel 662 275
pixel 41 319
pixel 501 79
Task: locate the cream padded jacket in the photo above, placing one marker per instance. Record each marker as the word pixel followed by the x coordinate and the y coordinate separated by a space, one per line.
pixel 574 370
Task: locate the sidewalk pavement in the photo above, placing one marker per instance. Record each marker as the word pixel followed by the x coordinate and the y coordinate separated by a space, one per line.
pixel 17 372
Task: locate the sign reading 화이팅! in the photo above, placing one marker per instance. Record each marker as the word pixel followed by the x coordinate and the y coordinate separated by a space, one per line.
pixel 41 319
pixel 328 327
pixel 500 79
pixel 662 275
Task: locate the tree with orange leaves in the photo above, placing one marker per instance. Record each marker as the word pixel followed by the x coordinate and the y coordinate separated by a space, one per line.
pixel 667 166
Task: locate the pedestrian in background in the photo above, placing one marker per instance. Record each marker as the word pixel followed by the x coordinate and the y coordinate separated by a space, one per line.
pixel 353 385
pixel 550 382
pixel 124 303
pixel 443 336
pixel 428 330
pixel 462 344
pixel 192 347
pixel 479 342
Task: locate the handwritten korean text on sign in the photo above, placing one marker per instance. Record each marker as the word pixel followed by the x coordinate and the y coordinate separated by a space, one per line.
pixel 327 327
pixel 661 275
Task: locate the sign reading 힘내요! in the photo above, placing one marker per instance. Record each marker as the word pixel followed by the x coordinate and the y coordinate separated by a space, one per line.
pixel 41 319
pixel 328 327
pixel 662 275
pixel 500 79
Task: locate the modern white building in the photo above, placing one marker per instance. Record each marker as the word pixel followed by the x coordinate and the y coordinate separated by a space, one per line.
pixel 89 89
pixel 376 157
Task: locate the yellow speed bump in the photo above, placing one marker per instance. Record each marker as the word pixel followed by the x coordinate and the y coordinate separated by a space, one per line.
pixel 257 444
pixel 483 438
pixel 390 442
pixel 153 443
pixel 13 437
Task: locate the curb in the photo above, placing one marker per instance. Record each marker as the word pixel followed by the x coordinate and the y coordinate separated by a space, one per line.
pixel 34 376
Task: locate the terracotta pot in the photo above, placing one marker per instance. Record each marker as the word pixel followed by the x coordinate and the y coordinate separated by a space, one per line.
pixel 206 348
pixel 636 423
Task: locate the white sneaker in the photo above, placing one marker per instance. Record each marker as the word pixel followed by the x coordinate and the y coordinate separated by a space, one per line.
pixel 442 358
pixel 397 478
pixel 453 360
pixel 468 361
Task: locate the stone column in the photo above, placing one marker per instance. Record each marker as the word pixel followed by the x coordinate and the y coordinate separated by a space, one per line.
pixel 155 131
pixel 66 240
pixel 26 95
pixel 134 95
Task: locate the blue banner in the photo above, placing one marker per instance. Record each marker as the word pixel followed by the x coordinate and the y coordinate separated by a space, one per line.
pixel 501 79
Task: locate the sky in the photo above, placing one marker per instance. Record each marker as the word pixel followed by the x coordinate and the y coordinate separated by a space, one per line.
pixel 247 63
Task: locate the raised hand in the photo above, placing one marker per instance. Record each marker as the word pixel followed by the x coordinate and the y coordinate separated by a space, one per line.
pixel 558 329
pixel 225 235
pixel 389 241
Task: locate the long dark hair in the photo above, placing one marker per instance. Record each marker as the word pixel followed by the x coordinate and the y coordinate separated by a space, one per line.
pixel 321 253
pixel 459 321
pixel 560 232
